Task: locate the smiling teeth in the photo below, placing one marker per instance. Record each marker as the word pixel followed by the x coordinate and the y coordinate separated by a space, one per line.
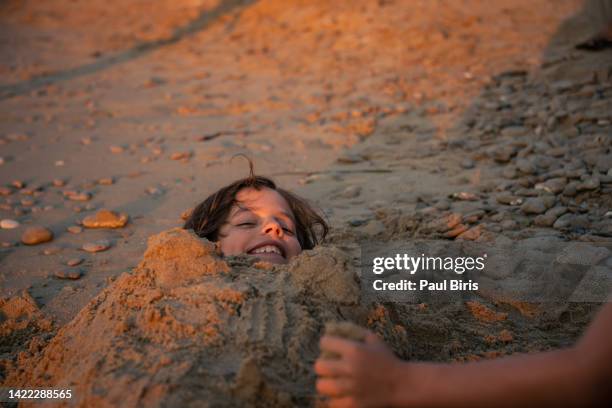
pixel 267 249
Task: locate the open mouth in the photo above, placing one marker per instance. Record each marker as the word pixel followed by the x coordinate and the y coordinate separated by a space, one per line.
pixel 269 252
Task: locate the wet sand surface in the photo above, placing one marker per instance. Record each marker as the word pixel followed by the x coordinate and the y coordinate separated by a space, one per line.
pixel 388 115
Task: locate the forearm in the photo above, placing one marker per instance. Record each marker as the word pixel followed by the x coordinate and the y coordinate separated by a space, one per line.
pixel 546 379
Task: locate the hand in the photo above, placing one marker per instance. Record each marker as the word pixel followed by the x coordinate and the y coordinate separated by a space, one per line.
pixel 363 376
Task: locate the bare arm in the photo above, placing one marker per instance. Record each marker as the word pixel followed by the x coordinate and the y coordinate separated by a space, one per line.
pixel 578 376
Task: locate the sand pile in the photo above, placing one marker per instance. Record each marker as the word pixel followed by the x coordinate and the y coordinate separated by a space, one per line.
pixel 188 327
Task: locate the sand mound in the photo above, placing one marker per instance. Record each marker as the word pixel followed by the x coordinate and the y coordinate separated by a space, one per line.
pixel 186 328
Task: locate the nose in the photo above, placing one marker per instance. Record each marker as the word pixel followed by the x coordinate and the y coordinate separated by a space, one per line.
pixel 273 227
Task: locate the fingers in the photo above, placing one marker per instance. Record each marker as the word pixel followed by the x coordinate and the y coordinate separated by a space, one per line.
pixel 333 387
pixel 338 345
pixel 331 368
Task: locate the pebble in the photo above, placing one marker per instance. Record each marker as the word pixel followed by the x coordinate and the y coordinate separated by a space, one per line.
pixel 5 191
pixel 97 246
pixel 465 196
pixel 72 274
pixel 82 196
pixel 74 261
pixel 9 224
pixel 106 181
pixel 553 185
pixel 459 229
pixel 537 205
pixel 571 221
pixel 571 189
pixel 350 158
pixel 442 205
pixel 350 192
pixel 503 154
pixel 509 224
pixel 116 149
pixel 74 229
pixel 468 164
pixel 508 199
pixel 106 219
pixel 526 166
pixel 36 235
pixel 548 219
pixel 471 234
pixel 59 182
pixel 180 155
pixel 590 183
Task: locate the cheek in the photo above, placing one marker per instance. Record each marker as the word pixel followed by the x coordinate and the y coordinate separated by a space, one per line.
pixel 294 247
pixel 234 242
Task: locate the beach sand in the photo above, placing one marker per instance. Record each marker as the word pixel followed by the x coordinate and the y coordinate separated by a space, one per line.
pixel 400 120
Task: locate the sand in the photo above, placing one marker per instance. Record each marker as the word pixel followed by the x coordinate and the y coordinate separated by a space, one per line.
pixel 401 120
pixel 188 327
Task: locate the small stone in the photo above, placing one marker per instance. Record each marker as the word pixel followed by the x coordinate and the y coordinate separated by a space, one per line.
pixel 468 164
pixel 548 219
pixel 27 202
pixel 72 274
pixel 74 229
pixel 60 163
pixel 106 181
pixel 446 223
pixel 97 246
pixel 356 222
pixel 590 183
pixel 105 219
pixel 59 182
pixel 510 172
pixel 571 189
pixel 116 149
pixel 36 235
pixel 459 229
pixel 79 196
pixel 473 216
pixel 180 155
pixel 9 224
pixel 557 151
pixel 350 192
pixel 18 184
pixel 567 221
pixel 526 166
pixel 503 154
pixel 442 205
pixel 534 205
pixel 154 191
pixel 471 234
pixel 74 261
pixel 350 158
pixel 509 224
pixel 508 199
pixel 465 196
pixel 505 336
pixel 553 185
pixel 5 191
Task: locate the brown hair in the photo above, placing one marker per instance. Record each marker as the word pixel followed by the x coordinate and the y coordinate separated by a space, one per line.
pixel 208 216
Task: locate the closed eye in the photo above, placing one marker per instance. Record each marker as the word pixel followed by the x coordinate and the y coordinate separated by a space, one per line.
pixel 246 224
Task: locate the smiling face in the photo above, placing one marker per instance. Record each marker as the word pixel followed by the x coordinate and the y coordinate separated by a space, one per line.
pixel 260 224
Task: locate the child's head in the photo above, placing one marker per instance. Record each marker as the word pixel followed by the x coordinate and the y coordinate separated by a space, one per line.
pixel 253 216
